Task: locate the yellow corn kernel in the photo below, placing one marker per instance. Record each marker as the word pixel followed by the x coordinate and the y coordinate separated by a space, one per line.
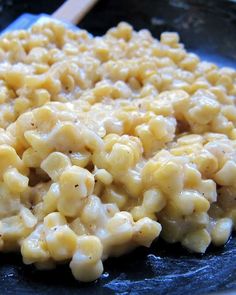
pixel 168 177
pixel 34 247
pixel 31 158
pixel 145 135
pixel 9 158
pixel 205 112
pixel 199 220
pixel 90 247
pixel 55 164
pixel 75 184
pixel 197 241
pixel 145 231
pixel 80 159
pixel 104 176
pixel 192 177
pixel 61 242
pixel 121 157
pixel 54 219
pixel 38 143
pixel 38 54
pixel 229 112
pixel 16 182
pixel 162 128
pixel 6 137
pixel 190 62
pixel 115 195
pixel 123 30
pixel 153 200
pixel 132 183
pixel 21 105
pixel 27 217
pixel 187 203
pixel 14 78
pixel 120 228
pixel 86 263
pixel 190 139
pixel 179 100
pixel 172 228
pixel 102 89
pixel 206 162
pixel 45 118
pixel 13 229
pixel 139 212
pixel 221 124
pixel 41 97
pixel 226 81
pixel 208 189
pixel 92 210
pixel 169 38
pixel 227 174
pixel 86 272
pixel 221 231
pixel 102 51
pixel 221 95
pixel 186 149
pixel 50 198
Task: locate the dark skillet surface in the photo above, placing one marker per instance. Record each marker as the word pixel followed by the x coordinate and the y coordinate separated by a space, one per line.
pixel 162 269
pixel 208 29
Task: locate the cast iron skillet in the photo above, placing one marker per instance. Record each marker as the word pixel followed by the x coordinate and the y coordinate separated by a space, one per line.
pixel 208 28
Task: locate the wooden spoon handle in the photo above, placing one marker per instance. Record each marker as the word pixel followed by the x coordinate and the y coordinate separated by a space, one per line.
pixel 73 11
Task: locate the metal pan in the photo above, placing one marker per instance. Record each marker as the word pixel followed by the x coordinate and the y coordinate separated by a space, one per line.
pixel 209 29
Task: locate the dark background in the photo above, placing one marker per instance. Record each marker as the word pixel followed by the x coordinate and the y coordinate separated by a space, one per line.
pixel 208 28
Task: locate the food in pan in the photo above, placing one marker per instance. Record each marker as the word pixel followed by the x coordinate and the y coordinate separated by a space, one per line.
pixel 108 142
